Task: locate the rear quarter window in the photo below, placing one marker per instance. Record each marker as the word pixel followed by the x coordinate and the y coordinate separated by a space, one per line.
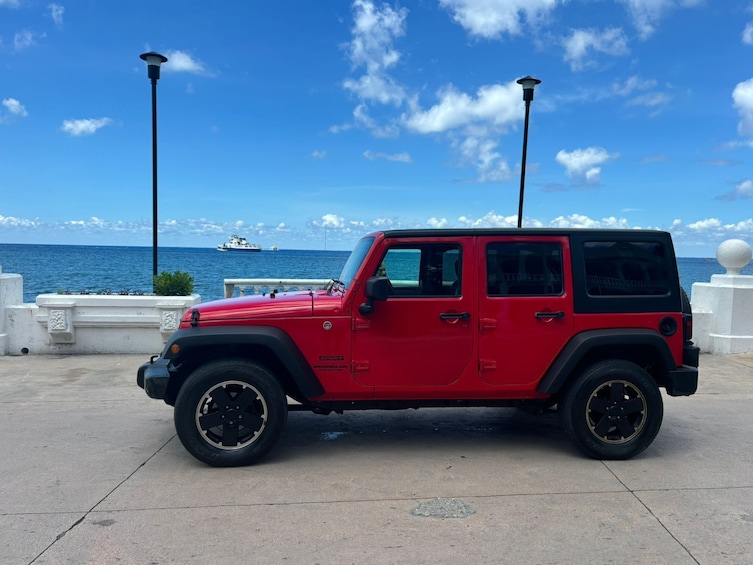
pixel 626 268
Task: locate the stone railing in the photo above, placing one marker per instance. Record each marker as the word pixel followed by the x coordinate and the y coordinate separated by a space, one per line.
pixel 86 323
pixel 255 286
pixel 722 312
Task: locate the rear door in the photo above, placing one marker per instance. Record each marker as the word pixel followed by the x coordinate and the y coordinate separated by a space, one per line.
pixel 525 307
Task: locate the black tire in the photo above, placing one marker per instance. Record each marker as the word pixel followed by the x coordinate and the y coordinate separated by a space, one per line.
pixel 230 412
pixel 613 410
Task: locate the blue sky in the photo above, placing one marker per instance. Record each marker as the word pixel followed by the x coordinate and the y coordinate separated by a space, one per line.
pixel 281 121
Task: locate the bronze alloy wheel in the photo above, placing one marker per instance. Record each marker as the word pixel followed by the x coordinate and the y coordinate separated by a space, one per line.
pixel 612 410
pixel 616 412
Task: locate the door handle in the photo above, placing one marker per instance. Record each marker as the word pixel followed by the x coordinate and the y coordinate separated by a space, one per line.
pixel 549 315
pixel 454 316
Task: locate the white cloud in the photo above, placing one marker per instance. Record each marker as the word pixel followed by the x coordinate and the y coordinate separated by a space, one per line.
pixel 489 220
pixel 25 39
pixel 646 14
pixel 748 143
pixel 483 155
pixel 437 223
pixel 632 84
pixel 742 191
pixel 376 87
pixel 705 225
pixel 498 105
pixel 635 85
pixel 702 233
pixel 340 127
pixel 361 116
pixel 182 62
pixel 10 3
pixel 492 18
pixel 581 221
pixel 15 107
pixel 472 122
pixel 582 42
pixel 374 30
pixel 56 13
pixel 748 34
pixel 87 126
pixel 742 97
pixel 318 154
pixel 400 157
pixel 584 164
pixel 331 221
pixel 651 99
pixel 13 222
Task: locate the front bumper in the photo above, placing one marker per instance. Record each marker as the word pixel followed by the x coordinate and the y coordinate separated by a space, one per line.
pixel 154 377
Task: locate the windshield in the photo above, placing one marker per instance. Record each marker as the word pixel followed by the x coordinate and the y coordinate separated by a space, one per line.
pixel 354 261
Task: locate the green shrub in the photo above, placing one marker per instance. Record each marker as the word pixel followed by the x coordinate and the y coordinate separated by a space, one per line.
pixel 173 284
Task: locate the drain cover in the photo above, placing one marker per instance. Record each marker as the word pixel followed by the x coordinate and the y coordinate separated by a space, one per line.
pixel 444 508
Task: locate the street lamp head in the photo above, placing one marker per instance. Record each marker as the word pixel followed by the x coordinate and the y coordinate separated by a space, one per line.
pixel 528 83
pixel 153 62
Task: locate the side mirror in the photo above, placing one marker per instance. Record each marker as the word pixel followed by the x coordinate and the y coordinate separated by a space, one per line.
pixel 377 288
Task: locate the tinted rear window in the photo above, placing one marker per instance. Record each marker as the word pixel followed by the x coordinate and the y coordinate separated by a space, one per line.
pixel 524 269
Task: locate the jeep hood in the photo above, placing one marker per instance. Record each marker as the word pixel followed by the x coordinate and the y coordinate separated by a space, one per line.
pixel 267 306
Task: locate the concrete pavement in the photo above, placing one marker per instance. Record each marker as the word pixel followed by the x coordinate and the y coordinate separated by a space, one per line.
pixel 92 472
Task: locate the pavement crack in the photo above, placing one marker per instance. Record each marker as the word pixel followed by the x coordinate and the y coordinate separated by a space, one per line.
pixel 651 512
pixel 101 500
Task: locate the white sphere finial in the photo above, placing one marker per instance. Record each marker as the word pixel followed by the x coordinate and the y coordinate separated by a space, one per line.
pixel 733 255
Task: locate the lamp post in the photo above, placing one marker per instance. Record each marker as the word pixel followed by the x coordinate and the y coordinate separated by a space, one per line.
pixel 528 83
pixel 153 62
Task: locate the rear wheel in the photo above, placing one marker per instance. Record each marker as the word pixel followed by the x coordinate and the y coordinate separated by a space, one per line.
pixel 230 412
pixel 613 410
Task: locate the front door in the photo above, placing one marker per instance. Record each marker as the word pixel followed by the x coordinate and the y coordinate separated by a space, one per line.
pixel 423 334
pixel 525 307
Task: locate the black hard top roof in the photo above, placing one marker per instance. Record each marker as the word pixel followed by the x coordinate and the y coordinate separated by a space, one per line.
pixel 590 232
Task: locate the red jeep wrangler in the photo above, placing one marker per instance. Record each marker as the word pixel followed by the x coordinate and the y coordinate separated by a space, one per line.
pixel 592 321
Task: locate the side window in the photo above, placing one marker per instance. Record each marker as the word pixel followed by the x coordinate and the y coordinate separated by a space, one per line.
pixel 619 268
pixel 524 269
pixel 423 270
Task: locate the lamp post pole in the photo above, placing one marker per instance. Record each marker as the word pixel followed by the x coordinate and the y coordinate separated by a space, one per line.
pixel 153 61
pixel 528 83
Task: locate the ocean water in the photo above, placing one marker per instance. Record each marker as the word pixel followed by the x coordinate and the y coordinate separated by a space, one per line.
pixel 56 268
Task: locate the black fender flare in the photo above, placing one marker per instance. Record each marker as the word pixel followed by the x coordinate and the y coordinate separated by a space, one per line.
pixel 579 346
pixel 274 339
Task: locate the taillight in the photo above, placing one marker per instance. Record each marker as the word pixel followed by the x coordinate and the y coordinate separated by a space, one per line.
pixel 687 327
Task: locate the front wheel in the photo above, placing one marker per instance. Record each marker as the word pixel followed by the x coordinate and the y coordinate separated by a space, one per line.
pixel 613 410
pixel 230 412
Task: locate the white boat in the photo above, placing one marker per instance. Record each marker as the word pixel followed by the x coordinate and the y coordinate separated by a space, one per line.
pixel 237 243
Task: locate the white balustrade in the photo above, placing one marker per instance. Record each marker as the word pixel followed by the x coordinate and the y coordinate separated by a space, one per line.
pixel 257 286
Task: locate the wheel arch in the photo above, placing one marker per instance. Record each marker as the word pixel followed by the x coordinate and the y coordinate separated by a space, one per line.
pixel 645 348
pixel 266 345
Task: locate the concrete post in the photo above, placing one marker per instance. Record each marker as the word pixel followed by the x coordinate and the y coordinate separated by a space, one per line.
pixel 723 308
pixel 11 294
